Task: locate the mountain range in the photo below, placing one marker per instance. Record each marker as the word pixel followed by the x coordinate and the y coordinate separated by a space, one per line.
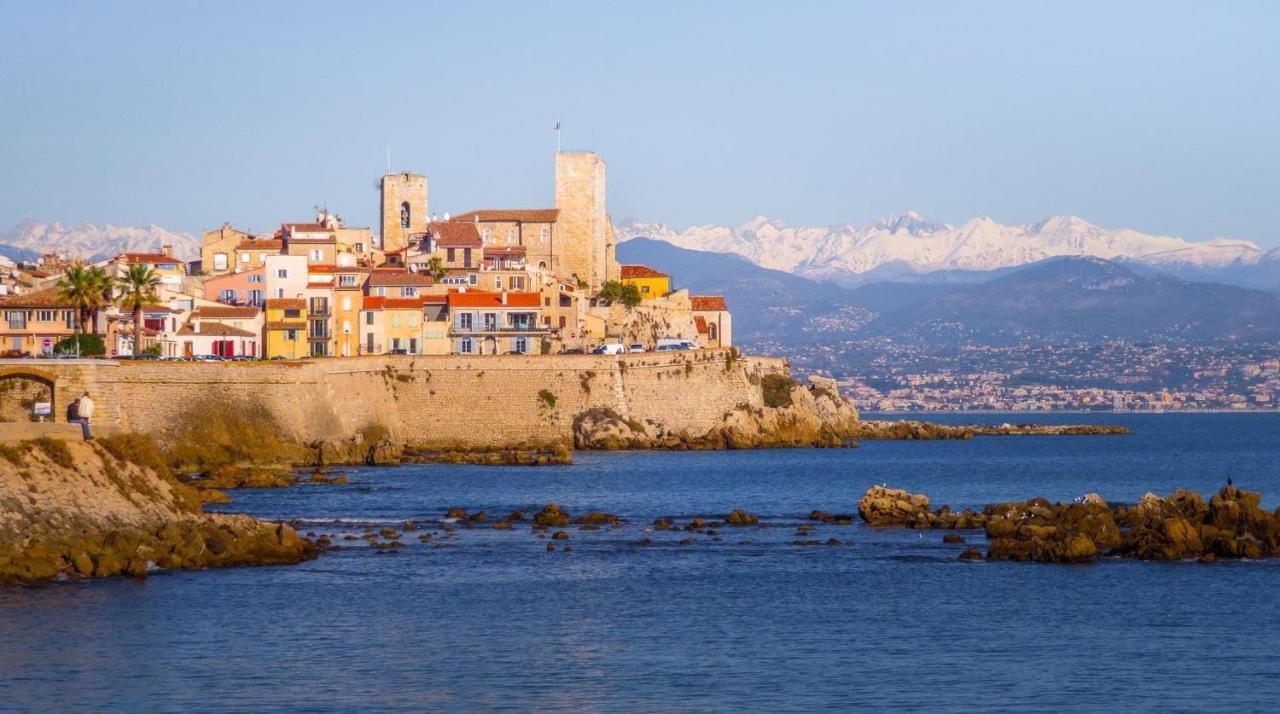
pixel 30 239
pixel 906 247
pixel 1055 299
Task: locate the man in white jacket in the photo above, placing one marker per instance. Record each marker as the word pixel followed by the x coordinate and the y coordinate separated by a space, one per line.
pixel 85 413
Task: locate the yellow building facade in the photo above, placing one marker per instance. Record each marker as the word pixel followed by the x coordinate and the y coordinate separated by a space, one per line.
pixel 653 284
pixel 286 329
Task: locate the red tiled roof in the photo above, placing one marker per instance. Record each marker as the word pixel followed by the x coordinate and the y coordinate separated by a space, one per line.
pixel 398 278
pixel 701 322
pixel 490 299
pixel 322 268
pixel 216 312
pixel 392 303
pixel 260 244
pixel 708 303
pixel 282 303
pixel 216 329
pixel 455 235
pixel 641 271
pixel 150 258
pixel 505 251
pixel 40 298
pixel 510 215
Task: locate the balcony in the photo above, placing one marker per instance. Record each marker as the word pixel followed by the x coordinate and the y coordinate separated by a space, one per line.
pixel 500 330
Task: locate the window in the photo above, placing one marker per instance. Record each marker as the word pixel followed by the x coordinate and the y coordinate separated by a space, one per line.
pixel 466 257
pixel 644 288
pixel 319 305
pixel 408 291
pixel 464 321
pixel 219 261
pixel 711 331
pixel 368 318
pixel 279 292
pixel 517 282
pixel 542 265
pixel 413 345
pixel 450 255
pixel 69 319
pixel 255 297
pixel 295 313
pixel 520 344
pixel 413 320
pixel 346 304
pixel 291 335
pixel 497 282
pixel 317 255
pixel 380 291
pixel 511 235
pixel 346 327
pixel 359 247
pixel 466 346
pixel 395 344
pixel 46 315
pixel 319 329
pixel 404 215
pixel 227 296
pixel 484 234
pixel 17 319
pixel 490 321
pixel 368 341
pixel 472 279
pixel 245 258
pixel 546 231
pixel 346 281
pixel 282 273
pixel 395 320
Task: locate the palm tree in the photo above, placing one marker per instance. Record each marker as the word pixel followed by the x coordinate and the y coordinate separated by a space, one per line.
pixel 86 289
pixel 137 290
pixel 436 269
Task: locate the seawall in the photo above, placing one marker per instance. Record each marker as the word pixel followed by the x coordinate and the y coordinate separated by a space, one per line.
pixel 464 401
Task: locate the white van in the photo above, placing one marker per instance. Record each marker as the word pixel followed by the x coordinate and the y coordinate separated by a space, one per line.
pixel 610 348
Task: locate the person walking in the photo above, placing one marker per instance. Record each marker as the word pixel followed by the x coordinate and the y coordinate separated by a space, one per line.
pixel 85 412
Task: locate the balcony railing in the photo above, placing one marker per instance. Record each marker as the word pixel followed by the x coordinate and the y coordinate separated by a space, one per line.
pixel 496 329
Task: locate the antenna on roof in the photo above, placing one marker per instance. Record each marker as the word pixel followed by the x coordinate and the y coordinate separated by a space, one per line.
pixel 388 159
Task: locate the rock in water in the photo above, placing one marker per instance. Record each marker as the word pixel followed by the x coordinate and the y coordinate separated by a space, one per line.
pixel 881 506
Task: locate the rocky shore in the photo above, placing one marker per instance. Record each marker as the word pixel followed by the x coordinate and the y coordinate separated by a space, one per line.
pixel 922 430
pixel 793 415
pixel 71 509
pixel 1182 526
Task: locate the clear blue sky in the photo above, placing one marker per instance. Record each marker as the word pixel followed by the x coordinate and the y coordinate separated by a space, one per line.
pixel 1161 116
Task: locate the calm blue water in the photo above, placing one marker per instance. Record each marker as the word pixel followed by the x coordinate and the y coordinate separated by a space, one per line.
pixel 494 621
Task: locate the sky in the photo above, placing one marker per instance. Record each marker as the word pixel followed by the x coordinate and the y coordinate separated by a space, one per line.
pixel 1157 116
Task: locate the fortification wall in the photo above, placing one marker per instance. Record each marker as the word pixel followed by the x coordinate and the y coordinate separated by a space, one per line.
pixel 465 401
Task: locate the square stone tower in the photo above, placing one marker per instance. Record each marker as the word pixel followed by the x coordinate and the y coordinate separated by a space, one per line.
pixel 585 244
pixel 404 208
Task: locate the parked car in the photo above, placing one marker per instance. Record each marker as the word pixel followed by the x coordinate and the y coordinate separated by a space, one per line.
pixel 637 347
pixel 243 358
pixel 573 351
pixel 675 343
pixel 610 348
pixel 208 358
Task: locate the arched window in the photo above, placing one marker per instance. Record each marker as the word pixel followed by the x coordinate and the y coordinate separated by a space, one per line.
pixel 711 331
pixel 404 215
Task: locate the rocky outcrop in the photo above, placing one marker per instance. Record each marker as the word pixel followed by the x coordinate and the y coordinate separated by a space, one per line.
pixel 922 430
pixel 76 510
pixel 1182 526
pixel 804 417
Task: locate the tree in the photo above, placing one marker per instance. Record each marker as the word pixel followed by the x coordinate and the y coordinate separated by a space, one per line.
pixel 82 344
pixel 436 269
pixel 614 291
pixel 137 290
pixel 85 288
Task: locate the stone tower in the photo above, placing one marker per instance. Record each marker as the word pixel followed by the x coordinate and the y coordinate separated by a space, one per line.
pixel 585 235
pixel 404 208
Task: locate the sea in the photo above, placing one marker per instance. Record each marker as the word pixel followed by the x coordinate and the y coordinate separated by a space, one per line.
pixel 479 619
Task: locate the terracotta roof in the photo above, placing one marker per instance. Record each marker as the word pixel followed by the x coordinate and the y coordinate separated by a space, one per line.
pixel 282 303
pixel 149 258
pixel 455 235
pixel 215 329
pixel 490 299
pixel 510 215
pixel 708 303
pixel 385 279
pixel 322 268
pixel 40 298
pixel 505 251
pixel 701 322
pixel 392 303
pixel 215 312
pixel 306 228
pixel 262 244
pixel 641 271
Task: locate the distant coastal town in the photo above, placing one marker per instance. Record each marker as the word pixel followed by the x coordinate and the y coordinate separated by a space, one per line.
pixel 485 282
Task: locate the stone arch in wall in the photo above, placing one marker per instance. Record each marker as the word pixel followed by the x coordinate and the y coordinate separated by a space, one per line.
pixel 21 388
pixel 490 346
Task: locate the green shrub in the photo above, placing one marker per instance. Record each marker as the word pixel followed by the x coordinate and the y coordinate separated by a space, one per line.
pixel 56 450
pixel 12 454
pixel 136 448
pixel 547 398
pixel 776 390
pixel 86 344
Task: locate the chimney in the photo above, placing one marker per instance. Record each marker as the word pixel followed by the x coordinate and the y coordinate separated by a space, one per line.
pixel 167 250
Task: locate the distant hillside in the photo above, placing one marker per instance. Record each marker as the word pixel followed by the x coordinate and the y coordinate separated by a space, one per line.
pixel 31 238
pixel 767 304
pixel 1089 299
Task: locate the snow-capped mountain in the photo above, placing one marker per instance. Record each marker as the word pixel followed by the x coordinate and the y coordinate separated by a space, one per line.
pixel 31 238
pixel 907 243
